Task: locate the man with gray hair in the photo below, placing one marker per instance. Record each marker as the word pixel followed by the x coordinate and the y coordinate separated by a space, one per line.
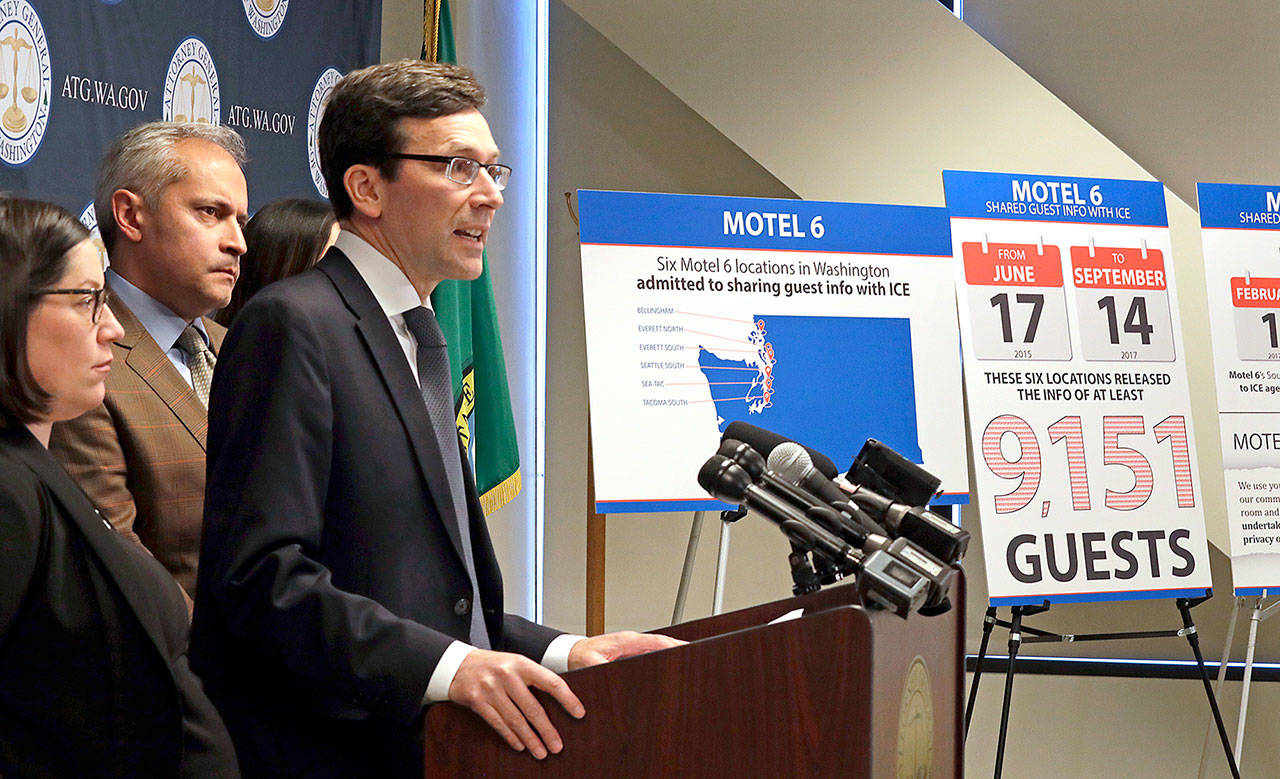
pixel 171 200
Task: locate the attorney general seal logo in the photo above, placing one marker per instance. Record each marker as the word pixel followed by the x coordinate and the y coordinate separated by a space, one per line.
pixel 25 73
pixel 915 724
pixel 191 85
pixel 89 218
pixel 265 16
pixel 315 112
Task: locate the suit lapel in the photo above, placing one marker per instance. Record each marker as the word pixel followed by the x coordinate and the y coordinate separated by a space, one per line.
pixel 111 548
pixel 148 360
pixel 389 358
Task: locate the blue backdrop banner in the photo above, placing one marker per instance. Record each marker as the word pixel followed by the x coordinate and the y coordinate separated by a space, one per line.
pixel 74 74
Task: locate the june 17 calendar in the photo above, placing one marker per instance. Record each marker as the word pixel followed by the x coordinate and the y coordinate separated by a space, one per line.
pixel 1077 390
pixel 1240 228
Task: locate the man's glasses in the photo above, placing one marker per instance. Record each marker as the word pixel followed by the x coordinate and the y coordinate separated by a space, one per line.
pixel 95 299
pixel 463 170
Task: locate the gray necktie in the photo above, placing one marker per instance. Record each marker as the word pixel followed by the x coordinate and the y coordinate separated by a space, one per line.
pixel 437 393
pixel 200 361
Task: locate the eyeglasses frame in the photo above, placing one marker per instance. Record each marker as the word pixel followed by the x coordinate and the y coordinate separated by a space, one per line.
pixel 448 161
pixel 101 297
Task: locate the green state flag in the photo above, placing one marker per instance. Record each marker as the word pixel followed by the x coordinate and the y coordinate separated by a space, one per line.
pixel 469 319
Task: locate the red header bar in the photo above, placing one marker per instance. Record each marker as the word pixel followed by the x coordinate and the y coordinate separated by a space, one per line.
pixel 1117 268
pixel 1012 265
pixel 1257 292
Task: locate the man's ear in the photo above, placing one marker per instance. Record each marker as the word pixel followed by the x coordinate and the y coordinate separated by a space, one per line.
pixel 130 214
pixel 364 185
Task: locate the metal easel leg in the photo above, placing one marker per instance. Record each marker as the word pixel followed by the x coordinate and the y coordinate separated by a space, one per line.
pixel 1189 632
pixel 722 563
pixel 1015 640
pixel 1217 686
pixel 1254 619
pixel 686 573
pixel 988 623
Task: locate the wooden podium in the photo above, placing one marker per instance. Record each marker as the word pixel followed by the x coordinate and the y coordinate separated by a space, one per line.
pixel 839 691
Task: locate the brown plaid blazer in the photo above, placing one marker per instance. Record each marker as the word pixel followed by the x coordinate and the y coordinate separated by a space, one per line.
pixel 140 455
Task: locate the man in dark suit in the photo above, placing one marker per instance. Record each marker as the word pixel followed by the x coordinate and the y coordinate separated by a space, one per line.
pixel 347 577
pixel 171 199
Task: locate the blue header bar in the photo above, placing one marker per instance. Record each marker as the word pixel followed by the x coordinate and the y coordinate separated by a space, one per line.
pixel 1041 198
pixel 1239 206
pixel 648 219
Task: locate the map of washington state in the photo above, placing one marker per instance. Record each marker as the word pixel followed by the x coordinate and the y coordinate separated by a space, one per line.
pixel 829 382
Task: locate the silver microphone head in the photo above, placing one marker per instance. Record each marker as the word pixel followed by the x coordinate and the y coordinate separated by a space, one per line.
pixel 790 461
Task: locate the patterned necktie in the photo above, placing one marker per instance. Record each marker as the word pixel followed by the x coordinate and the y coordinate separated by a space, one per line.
pixel 200 361
pixel 437 392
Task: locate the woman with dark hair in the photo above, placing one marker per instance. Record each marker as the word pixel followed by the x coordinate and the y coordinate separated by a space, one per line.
pixel 284 238
pixel 93 631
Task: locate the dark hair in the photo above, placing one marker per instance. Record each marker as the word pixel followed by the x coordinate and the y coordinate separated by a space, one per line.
pixel 35 238
pixel 361 117
pixel 284 238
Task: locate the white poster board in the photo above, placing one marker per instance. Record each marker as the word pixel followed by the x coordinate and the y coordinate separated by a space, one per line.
pixel 828 323
pixel 1077 390
pixel 1240 226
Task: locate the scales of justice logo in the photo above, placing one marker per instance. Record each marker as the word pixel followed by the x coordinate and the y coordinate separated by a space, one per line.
pixel 191 85
pixel 25 73
pixel 265 16
pixel 315 112
pixel 89 218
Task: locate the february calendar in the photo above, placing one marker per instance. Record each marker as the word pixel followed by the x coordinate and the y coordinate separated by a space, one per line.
pixel 1076 387
pixel 1240 227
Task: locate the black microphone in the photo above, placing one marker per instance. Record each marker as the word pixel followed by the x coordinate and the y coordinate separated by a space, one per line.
pixel 940 575
pixel 791 462
pixel 847 521
pixel 729 481
pixel 935 534
pixel 882 579
pixel 764 442
pixel 754 464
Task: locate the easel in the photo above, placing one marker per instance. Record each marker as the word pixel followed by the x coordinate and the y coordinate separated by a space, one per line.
pixel 727 518
pixel 1016 639
pixel 1258 615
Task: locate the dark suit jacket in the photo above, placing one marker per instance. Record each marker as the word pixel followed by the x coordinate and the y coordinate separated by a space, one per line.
pixel 140 455
pixel 331 580
pixel 93 638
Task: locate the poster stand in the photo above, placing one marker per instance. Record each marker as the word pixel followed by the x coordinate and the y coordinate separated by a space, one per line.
pixel 1260 613
pixel 1035 636
pixel 722 559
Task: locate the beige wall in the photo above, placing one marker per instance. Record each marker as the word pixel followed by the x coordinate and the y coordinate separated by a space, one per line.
pixel 614 127
pixel 869 102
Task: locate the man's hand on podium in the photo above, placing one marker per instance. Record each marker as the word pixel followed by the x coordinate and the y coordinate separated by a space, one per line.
pixel 496 685
pixel 615 646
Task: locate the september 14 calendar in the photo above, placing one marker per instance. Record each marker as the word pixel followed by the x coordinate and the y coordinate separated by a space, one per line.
pixel 1240 227
pixel 1077 389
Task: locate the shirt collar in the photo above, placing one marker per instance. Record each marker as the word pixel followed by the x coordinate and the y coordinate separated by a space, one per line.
pixel 161 324
pixel 390 287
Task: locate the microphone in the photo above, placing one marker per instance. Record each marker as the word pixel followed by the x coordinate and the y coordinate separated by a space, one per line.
pixel 729 481
pixel 939 575
pixel 792 463
pixel 764 442
pixel 934 533
pixel 750 461
pixel 882 579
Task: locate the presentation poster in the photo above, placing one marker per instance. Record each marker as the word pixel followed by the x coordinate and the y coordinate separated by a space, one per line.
pixel 1076 382
pixel 828 323
pixel 1241 233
